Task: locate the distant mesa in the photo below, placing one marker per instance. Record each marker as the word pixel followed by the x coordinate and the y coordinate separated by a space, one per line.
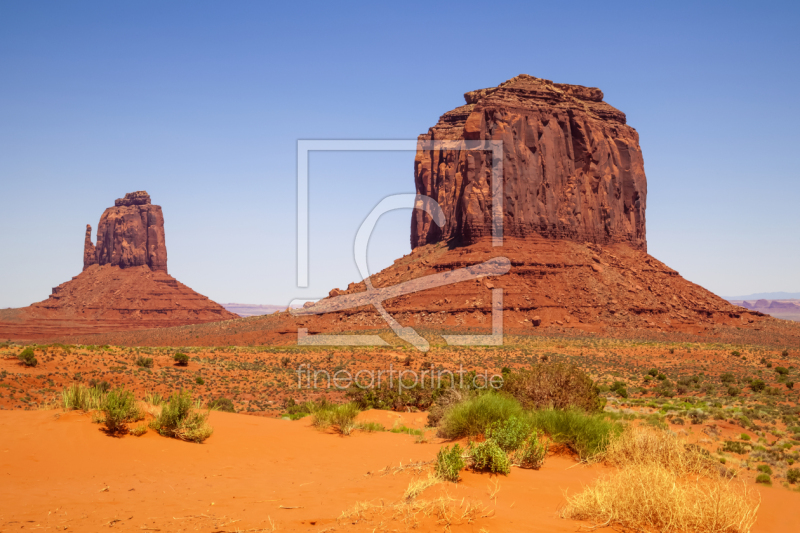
pixel 786 309
pixel 124 284
pixel 247 310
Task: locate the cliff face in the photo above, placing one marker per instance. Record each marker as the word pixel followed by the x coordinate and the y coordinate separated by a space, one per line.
pixel 572 168
pixel 131 234
pixel 89 251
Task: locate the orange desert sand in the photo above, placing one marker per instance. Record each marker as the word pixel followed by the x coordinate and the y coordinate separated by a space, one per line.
pixel 61 472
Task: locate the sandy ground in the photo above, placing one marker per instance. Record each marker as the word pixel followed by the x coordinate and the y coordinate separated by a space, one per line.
pixel 59 471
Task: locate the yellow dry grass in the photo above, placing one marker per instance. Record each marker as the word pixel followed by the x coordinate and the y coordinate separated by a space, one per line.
pixel 644 446
pixel 650 497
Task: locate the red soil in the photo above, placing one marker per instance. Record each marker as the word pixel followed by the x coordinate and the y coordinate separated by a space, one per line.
pixel 61 471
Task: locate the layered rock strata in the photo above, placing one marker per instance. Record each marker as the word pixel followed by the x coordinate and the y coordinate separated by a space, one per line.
pixel 572 168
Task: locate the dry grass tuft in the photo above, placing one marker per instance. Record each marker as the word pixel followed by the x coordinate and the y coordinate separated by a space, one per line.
pixel 418 486
pixel 444 511
pixel 639 446
pixel 650 497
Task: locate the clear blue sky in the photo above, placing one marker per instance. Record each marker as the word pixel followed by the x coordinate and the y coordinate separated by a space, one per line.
pixel 201 104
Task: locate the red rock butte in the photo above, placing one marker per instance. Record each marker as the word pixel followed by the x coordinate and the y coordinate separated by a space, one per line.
pixel 572 167
pixel 124 284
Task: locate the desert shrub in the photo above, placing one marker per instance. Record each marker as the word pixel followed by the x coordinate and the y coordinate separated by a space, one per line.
pixel 144 362
pixel 80 397
pixel 371 427
pixel 744 436
pixel 139 430
pixel 199 380
pixel 27 357
pixel 153 398
pixel 119 408
pixel 727 377
pixel 586 435
pixel 697 416
pixel 733 391
pixel 782 370
pixel 222 404
pixel 665 389
pixel 531 453
pixel 757 385
pixel 653 498
pixel 766 469
pixel 179 420
pixel 509 434
pixel 733 446
pixel 643 446
pixel 341 416
pixel 476 415
pixel 444 401
pixel 785 353
pixel 764 479
pixel 661 376
pixel 449 463
pixel 653 372
pixel 793 475
pixel 487 456
pixel 181 359
pixel 554 386
pixel 385 397
pixel 678 421
pixel 735 353
pixel 790 384
pixel 101 385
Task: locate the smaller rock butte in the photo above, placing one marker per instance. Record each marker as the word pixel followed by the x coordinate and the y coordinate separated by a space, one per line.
pixel 124 284
pixel 129 234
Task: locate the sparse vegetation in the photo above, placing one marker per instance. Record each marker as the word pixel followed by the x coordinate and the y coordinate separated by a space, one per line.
pixel 144 362
pixel 119 408
pixel 181 359
pixel 487 456
pixel 28 357
pixel 476 415
pixel 179 420
pixel 449 463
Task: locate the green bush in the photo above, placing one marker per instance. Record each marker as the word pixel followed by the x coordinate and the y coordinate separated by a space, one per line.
pixel 144 362
pixel 790 384
pixel 179 420
pixel 744 436
pixel 733 446
pixel 222 404
pixel 27 357
pixel 785 353
pixel 181 359
pixel 586 435
pixel 757 385
pixel 727 377
pixel 554 386
pixel 793 475
pixel 532 452
pixel 733 391
pixel 782 370
pixel 653 372
pixel 764 478
pixel 199 380
pixel 487 456
pixel 119 408
pixel 766 469
pixel 449 463
pixel 509 434
pixel 735 353
pixel 476 415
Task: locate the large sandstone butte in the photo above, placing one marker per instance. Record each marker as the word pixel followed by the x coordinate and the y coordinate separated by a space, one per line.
pixel 572 167
pixel 124 284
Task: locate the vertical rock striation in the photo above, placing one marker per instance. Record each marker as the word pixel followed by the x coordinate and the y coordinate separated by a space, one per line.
pixel 572 167
pixel 131 234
